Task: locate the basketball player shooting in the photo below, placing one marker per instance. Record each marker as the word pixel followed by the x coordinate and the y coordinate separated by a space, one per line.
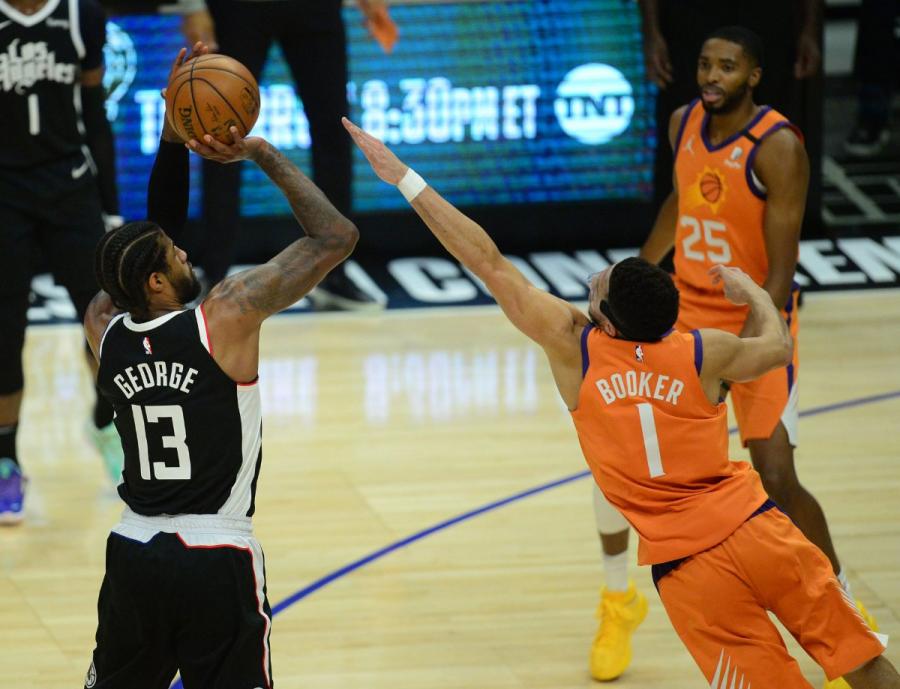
pixel 645 402
pixel 185 586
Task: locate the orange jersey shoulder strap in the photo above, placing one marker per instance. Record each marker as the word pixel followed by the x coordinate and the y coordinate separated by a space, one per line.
pixel 769 121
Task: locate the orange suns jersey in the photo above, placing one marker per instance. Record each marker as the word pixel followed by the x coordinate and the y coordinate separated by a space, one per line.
pixel 721 202
pixel 657 447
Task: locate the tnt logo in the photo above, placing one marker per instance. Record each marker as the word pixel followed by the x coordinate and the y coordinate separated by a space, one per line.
pixel 594 103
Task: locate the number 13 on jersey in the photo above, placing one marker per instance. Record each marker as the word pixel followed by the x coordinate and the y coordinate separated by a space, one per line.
pixel 176 441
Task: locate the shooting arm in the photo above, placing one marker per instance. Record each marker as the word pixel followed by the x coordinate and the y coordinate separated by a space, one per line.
pixel 254 295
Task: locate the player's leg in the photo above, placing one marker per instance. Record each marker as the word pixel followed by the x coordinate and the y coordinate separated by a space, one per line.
pixel 135 627
pixel 16 232
pixel 724 626
pixel 68 237
pixel 244 32
pixel 795 581
pixel 773 458
pixel 622 607
pixel 878 673
pixel 223 640
pixel 314 41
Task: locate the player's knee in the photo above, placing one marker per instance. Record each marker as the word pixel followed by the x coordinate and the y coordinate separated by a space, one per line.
pixel 781 485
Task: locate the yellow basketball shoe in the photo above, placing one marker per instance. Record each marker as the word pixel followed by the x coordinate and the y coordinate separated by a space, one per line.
pixel 619 614
pixel 840 682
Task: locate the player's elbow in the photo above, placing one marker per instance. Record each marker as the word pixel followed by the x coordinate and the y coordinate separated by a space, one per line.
pixel 785 350
pixel 346 235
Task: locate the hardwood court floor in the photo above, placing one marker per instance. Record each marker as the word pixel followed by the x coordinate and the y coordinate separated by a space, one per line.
pixel 377 427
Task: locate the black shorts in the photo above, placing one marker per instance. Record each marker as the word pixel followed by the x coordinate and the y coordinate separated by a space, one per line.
pixel 168 606
pixel 57 233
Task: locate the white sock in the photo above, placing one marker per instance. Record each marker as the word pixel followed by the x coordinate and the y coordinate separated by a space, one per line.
pixel 845 582
pixel 615 569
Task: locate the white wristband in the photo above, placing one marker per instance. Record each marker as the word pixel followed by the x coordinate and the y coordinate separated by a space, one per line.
pixel 411 185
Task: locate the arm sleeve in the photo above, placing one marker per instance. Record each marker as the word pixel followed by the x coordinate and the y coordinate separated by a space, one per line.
pixel 167 195
pixel 92 22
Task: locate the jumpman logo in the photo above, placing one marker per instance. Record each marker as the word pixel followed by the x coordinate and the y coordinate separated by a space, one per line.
pixel 689 145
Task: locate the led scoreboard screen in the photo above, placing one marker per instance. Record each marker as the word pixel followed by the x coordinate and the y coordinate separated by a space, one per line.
pixel 492 102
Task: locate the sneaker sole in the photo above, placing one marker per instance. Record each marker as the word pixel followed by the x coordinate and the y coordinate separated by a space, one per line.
pixel 11 518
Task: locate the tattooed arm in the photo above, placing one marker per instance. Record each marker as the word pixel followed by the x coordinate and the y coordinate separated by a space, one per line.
pixel 237 306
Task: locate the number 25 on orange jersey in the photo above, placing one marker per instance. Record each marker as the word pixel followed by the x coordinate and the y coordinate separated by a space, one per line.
pixel 709 234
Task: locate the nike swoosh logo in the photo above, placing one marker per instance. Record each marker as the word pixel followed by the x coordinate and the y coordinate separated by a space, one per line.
pixel 3 25
pixel 79 171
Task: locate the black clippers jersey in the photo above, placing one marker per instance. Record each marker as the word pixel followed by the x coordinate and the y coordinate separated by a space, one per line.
pixel 42 56
pixel 192 436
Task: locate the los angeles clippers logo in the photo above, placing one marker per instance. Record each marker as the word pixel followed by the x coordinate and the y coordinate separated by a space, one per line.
pixel 147 348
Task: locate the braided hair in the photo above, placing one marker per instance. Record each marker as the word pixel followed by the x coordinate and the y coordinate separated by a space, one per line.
pixel 125 258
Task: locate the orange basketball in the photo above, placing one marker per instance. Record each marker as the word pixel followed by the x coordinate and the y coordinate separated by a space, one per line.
pixel 209 95
pixel 710 187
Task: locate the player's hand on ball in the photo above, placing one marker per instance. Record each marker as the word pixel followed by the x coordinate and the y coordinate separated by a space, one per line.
pixel 212 148
pixel 383 161
pixel 199 48
pixel 738 286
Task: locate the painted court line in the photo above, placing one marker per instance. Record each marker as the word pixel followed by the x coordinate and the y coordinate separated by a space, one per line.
pixel 340 573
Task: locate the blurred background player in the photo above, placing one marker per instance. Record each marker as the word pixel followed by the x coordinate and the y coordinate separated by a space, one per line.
pixel 875 70
pixel 312 37
pixel 55 142
pixel 673 32
pixel 740 186
pixel 723 554
pixel 187 518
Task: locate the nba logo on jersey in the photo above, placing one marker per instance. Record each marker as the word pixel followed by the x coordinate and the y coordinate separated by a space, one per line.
pixel 735 156
pixel 639 353
pixel 147 348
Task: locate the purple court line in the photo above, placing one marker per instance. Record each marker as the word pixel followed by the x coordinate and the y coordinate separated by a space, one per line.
pixel 340 573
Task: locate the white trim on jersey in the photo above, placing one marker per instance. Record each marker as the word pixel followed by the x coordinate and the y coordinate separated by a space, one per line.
pixel 29 19
pixel 790 416
pixel 109 325
pixel 250 410
pixel 75 29
pixel 758 182
pixel 148 325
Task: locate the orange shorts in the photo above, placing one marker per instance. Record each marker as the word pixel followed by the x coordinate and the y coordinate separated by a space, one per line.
pixel 759 405
pixel 718 600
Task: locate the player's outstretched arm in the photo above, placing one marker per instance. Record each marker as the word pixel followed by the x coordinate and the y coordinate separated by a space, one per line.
pixel 544 318
pixel 729 357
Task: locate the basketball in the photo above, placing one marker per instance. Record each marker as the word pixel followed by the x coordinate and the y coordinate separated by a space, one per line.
pixel 209 95
pixel 710 187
